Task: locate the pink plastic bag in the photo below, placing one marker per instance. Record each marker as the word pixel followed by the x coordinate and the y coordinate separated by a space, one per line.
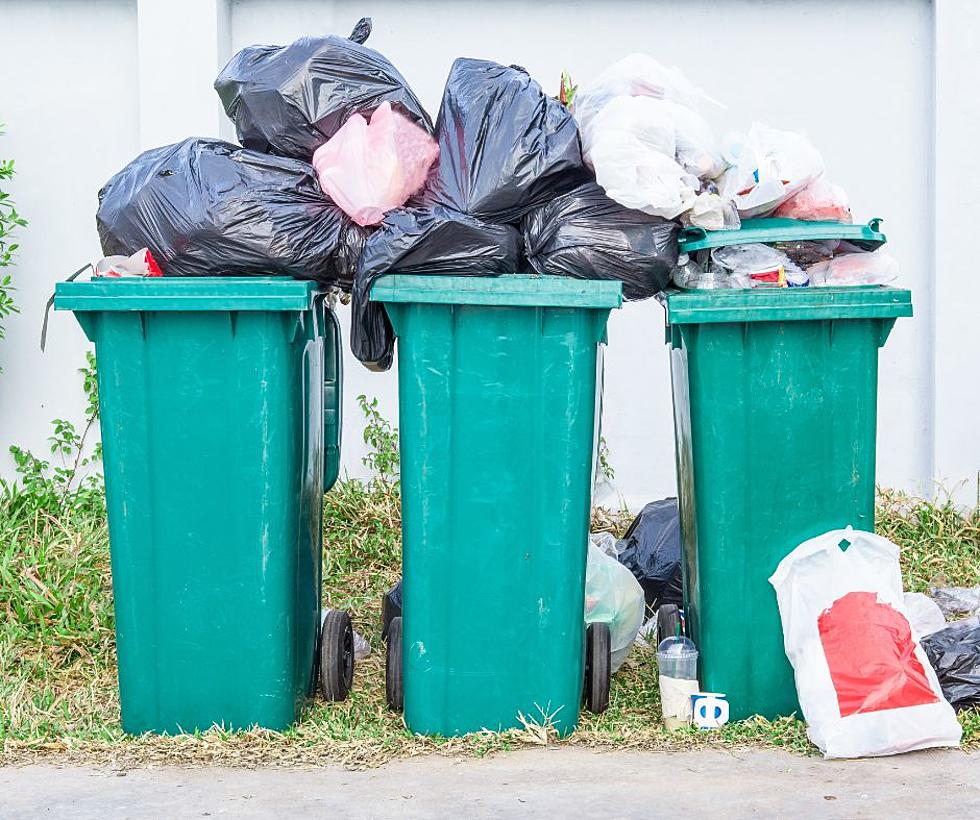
pixel 140 263
pixel 369 168
pixel 820 200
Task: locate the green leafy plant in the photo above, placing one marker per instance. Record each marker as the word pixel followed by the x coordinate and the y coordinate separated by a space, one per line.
pixel 10 220
pixel 382 438
pixel 67 481
pixel 605 465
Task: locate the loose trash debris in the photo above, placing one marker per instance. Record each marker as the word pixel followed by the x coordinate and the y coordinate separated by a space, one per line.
pixel 758 266
pixel 370 168
pixel 821 200
pixel 289 100
pixel 865 684
pixel 862 268
pixel 677 663
pixel 138 264
pixel 612 596
pixel 768 166
pixel 954 601
pixel 651 550
pixel 709 710
pixel 586 235
pixel 954 653
pixel 209 208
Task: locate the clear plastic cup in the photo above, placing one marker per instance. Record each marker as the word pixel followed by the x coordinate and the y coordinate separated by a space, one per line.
pixel 677 657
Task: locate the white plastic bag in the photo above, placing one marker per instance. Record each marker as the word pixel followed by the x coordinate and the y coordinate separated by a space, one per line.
pixel 861 268
pixel 370 168
pixel 640 178
pixel 865 685
pixel 636 75
pixel 615 597
pixel 768 167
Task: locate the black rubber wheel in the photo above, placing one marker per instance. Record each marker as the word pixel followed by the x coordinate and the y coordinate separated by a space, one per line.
pixel 336 655
pixel 598 667
pixel 394 688
pixel 668 622
pixel 391 608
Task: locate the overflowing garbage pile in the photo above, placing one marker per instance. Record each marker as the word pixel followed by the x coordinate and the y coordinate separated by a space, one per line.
pixel 341 177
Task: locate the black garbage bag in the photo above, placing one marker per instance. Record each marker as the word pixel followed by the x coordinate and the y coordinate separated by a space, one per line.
pixel 651 550
pixel 505 146
pixel 428 241
pixel 587 235
pixel 954 653
pixel 289 100
pixel 208 208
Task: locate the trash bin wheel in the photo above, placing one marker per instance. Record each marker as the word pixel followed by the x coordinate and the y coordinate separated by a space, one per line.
pixel 598 668
pixel 336 655
pixel 390 609
pixel 668 621
pixel 394 688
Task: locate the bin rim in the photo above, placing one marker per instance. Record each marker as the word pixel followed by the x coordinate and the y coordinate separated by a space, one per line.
pixel 786 304
pixel 507 290
pixel 770 229
pixel 186 293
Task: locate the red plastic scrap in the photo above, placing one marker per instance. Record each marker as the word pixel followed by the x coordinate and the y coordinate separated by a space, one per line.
pixel 871 655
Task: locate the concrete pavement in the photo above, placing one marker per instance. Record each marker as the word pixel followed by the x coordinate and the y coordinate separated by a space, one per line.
pixel 557 782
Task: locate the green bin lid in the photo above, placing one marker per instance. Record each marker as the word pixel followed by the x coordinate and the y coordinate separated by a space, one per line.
pixel 786 304
pixel 519 289
pixel 867 237
pixel 185 293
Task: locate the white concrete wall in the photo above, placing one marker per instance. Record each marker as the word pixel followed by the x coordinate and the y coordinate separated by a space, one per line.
pixel 885 89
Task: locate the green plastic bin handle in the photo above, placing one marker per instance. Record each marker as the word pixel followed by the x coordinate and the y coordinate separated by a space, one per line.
pixel 333 375
pixel 771 229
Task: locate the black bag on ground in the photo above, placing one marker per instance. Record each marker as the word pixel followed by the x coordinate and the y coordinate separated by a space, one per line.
pixel 209 208
pixel 289 100
pixel 429 241
pixel 651 550
pixel 505 146
pixel 954 653
pixel 587 235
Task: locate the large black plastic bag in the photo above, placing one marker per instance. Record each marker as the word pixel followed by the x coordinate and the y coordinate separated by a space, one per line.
pixel 587 235
pixel 505 147
pixel 209 208
pixel 429 241
pixel 289 100
pixel 954 653
pixel 651 550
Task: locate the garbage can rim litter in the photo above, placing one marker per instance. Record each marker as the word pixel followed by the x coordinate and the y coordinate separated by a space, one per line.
pixel 191 293
pixel 509 290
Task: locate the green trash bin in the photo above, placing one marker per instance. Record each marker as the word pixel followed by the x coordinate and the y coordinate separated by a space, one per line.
pixel 220 414
pixel 775 404
pixel 497 416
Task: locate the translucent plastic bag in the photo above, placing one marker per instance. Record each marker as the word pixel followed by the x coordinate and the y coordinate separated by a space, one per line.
pixel 861 268
pixel 615 597
pixel 820 200
pixel 768 167
pixel 369 168
pixel 865 684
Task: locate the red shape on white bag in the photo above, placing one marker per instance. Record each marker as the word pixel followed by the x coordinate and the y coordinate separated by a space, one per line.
pixel 871 655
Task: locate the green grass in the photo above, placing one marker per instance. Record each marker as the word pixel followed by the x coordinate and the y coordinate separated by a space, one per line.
pixel 58 697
